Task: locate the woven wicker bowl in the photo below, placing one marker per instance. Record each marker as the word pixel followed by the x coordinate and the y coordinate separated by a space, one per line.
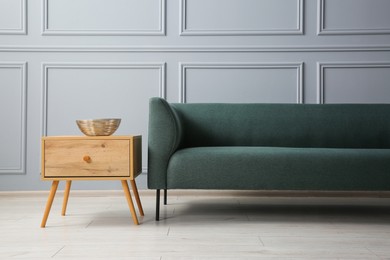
pixel 98 127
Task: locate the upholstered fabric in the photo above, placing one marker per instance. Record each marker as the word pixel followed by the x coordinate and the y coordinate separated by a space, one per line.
pixel 269 146
pixel 275 168
pixel 165 134
pixel 288 125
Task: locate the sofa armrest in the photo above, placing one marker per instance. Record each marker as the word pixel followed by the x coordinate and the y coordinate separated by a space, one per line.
pixel 164 138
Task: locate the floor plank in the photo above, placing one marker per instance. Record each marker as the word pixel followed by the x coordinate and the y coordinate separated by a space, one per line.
pixel 195 225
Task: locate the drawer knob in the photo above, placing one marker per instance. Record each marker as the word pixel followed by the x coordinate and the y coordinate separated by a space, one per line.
pixel 87 158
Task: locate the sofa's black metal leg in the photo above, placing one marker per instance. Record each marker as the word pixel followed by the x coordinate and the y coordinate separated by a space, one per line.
pixel 165 196
pixel 157 205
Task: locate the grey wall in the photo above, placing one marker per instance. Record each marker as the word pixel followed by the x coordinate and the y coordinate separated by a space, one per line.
pixel 62 60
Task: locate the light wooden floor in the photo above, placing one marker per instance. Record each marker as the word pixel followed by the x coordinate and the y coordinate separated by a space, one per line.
pixel 195 225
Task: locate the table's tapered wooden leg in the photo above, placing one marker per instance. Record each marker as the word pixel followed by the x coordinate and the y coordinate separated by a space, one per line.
pixel 49 202
pixel 136 195
pixel 66 197
pixel 129 201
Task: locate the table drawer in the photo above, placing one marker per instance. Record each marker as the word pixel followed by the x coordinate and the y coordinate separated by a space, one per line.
pixel 86 158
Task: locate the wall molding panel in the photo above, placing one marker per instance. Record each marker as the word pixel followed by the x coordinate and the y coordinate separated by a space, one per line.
pixel 113 66
pixel 85 27
pixel 21 17
pixel 347 28
pixel 21 120
pixel 322 66
pixel 268 15
pixel 195 49
pixel 185 67
pixel 56 56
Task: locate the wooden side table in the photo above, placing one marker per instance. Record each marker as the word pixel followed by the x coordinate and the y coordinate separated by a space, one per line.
pixel 91 158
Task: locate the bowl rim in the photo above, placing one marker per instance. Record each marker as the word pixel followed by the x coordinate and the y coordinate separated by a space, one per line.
pixel 99 119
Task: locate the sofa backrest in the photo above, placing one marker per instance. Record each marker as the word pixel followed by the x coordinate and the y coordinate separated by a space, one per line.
pixel 286 125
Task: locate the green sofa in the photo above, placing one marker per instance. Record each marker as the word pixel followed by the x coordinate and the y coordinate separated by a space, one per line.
pixel 332 147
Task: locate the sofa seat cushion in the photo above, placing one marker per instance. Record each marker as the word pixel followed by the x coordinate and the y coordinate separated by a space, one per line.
pixel 279 168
